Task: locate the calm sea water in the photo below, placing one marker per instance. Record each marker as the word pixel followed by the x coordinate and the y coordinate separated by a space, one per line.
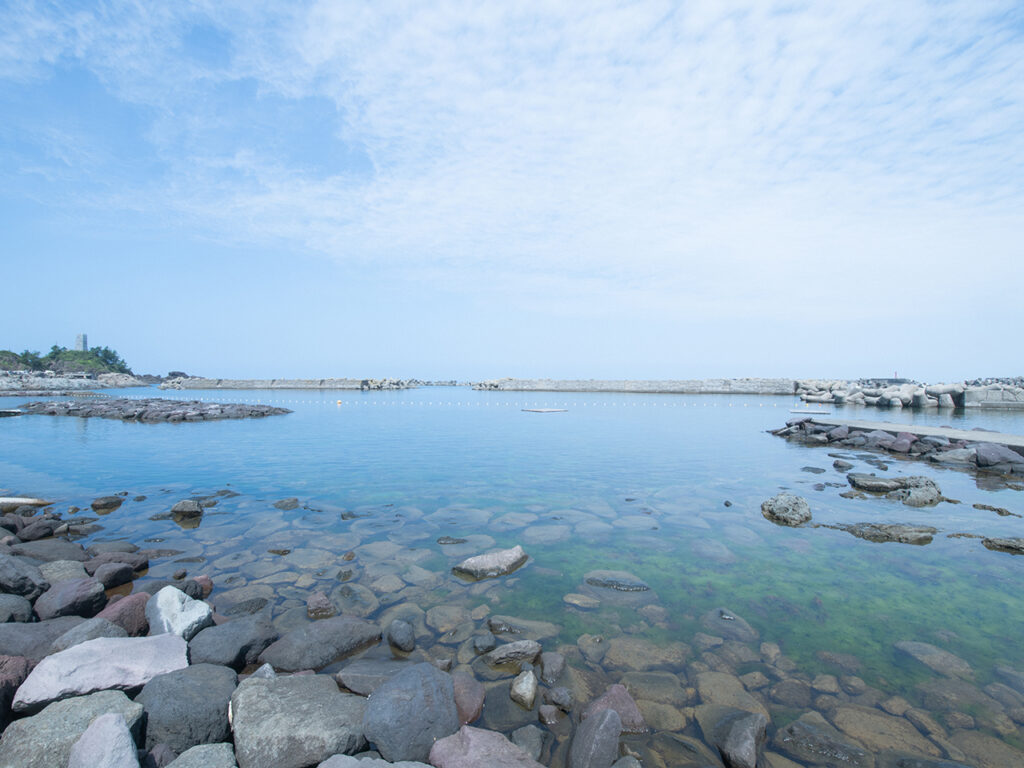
pixel 626 482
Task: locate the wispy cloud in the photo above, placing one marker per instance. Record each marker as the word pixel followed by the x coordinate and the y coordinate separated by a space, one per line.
pixel 654 150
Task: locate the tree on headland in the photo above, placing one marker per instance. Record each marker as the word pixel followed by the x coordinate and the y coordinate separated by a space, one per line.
pixel 63 360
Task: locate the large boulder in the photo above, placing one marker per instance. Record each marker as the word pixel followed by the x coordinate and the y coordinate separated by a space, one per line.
pixel 492 564
pixel 410 711
pixel 106 743
pixel 129 613
pixel 294 722
pixel 596 742
pixel 14 608
pixel 726 623
pixel 122 663
pixel 364 676
pixel 475 747
pixel 188 706
pixel 49 550
pixel 13 671
pixel 75 597
pixel 318 644
pixel 234 644
pixel 737 735
pixel 786 509
pixel 994 454
pixel 18 577
pixel 45 740
pixel 171 610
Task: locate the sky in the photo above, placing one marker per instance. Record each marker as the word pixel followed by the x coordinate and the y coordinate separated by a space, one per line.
pixel 473 190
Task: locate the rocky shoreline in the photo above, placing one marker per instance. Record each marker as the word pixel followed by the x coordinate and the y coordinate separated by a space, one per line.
pixel 103 664
pixel 152 409
pixel 364 385
pixel 30 385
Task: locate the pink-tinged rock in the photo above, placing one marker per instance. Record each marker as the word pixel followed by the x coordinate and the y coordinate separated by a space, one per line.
pixel 130 613
pixel 319 606
pixel 121 663
pixel 469 696
pixel 138 562
pixel 206 583
pixel 617 697
pixel 475 747
pixel 13 671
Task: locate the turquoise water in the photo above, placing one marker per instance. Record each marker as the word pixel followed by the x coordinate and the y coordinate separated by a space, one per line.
pixel 626 482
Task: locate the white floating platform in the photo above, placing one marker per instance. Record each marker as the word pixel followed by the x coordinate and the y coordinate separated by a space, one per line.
pixel 545 410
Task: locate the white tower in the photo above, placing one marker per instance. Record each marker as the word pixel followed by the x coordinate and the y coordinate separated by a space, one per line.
pixel 81 343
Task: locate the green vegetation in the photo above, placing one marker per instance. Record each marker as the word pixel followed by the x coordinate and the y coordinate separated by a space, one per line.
pixel 63 360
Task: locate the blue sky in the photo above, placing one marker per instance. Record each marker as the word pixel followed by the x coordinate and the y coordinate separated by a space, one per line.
pixel 472 190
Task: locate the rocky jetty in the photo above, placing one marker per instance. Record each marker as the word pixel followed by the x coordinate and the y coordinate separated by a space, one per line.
pixel 200 382
pixel 979 393
pixel 674 386
pixel 152 409
pixel 979 454
pixel 19 384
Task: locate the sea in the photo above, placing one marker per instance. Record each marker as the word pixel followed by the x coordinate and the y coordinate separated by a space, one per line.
pixel 667 488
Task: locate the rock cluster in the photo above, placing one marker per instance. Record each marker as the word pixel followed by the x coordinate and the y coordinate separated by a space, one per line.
pixel 153 409
pixel 198 382
pixel 981 455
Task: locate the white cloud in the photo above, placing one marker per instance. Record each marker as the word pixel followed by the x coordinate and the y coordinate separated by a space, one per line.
pixel 633 152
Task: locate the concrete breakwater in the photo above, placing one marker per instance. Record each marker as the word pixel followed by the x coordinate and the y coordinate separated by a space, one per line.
pixel 980 393
pixel 967 449
pixel 670 386
pixel 198 382
pixel 153 409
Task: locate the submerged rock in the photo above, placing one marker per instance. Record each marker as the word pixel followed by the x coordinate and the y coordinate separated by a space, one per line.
pixel 617 697
pixel 813 741
pixel 1013 545
pixel 786 509
pixel 892 532
pixel 492 564
pixel 730 625
pixel 620 581
pixel 936 659
pixel 596 742
pixel 737 734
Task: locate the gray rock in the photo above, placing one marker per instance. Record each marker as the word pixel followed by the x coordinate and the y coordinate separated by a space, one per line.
pixel 786 509
pixel 514 652
pixel 524 689
pixel 401 635
pixel 188 706
pixel 234 644
pixel 411 711
pixel 112 575
pixel 364 676
pixel 136 560
pixel 955 456
pixel 294 722
pixel 123 663
pixel 318 644
pixel 812 740
pixel 187 508
pixel 873 484
pixel 552 666
pixel 49 550
pixel 34 640
pixel 492 564
pixel 117 545
pixel 738 735
pixel 20 578
pixel 596 743
pixel 62 570
pixel 992 454
pixel 89 629
pixel 206 756
pixel 107 503
pixel 14 608
pixel 1013 545
pixel 530 739
pixel 728 624
pixel 77 597
pixel 348 761
pixel 171 610
pixel 45 740
pixel 106 743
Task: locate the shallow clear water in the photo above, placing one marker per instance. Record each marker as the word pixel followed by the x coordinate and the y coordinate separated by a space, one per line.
pixel 624 482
